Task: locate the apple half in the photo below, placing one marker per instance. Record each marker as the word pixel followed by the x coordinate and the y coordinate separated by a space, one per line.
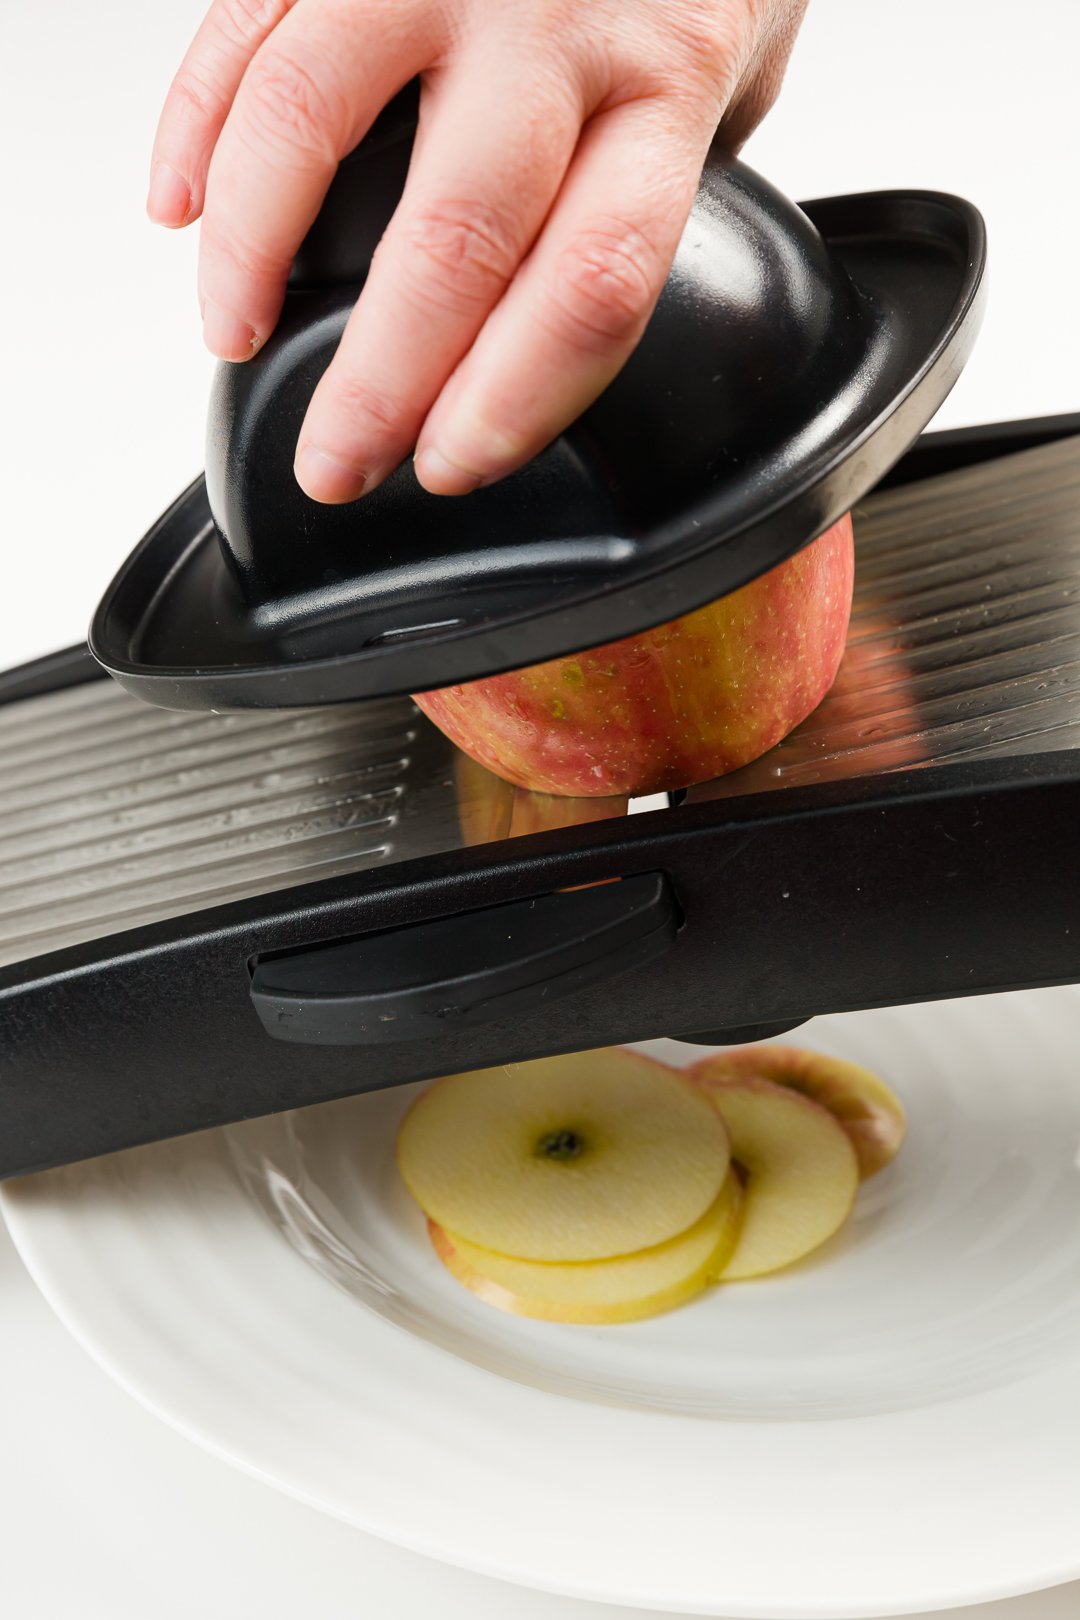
pixel 870 1112
pixel 622 1289
pixel 690 700
pixel 573 1158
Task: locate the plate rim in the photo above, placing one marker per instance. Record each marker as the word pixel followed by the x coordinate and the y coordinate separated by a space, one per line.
pixel 35 1253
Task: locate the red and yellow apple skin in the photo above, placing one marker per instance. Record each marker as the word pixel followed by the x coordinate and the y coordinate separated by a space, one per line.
pixel 869 1110
pixel 686 702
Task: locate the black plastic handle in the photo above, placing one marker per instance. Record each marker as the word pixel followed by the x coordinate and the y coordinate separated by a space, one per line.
pixel 473 968
pixel 361 199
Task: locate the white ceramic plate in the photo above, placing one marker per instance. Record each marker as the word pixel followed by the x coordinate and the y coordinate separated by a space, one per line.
pixel 893 1426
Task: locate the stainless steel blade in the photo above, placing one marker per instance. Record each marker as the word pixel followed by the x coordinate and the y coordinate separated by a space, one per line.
pixel 965 644
pixel 965 635
pixel 114 814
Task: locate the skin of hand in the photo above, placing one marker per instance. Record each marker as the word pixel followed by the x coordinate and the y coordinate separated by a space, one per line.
pixel 559 149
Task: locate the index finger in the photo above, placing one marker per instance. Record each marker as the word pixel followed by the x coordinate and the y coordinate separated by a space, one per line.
pixel 312 90
pixel 198 102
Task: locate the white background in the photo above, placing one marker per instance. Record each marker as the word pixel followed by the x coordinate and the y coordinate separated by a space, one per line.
pixel 105 379
pixel 103 1512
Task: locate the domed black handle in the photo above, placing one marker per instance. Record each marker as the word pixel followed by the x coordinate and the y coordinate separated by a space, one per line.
pixel 362 197
pixel 754 314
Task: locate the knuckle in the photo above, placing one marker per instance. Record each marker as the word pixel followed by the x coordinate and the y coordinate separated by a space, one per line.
pixel 459 255
pixel 296 105
pixel 365 406
pixel 244 260
pixel 242 23
pixel 720 60
pixel 604 287
pixel 197 95
pixel 713 43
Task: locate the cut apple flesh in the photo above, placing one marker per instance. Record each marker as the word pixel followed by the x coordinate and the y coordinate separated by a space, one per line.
pixel 871 1114
pixel 622 1289
pixel 801 1174
pixel 565 1159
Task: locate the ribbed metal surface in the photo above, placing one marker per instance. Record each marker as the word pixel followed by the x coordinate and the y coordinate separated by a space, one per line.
pixel 965 643
pixel 965 639
pixel 113 813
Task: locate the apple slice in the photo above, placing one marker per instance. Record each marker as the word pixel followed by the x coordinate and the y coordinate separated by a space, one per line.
pixel 565 1158
pixel 623 1289
pixel 869 1111
pixel 800 1169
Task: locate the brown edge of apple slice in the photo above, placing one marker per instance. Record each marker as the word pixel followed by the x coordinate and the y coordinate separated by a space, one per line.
pixel 868 1109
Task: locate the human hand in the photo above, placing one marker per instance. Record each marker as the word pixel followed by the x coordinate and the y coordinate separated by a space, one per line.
pixel 559 150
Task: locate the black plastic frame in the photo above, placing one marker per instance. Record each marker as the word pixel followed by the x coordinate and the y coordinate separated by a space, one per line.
pixel 931 883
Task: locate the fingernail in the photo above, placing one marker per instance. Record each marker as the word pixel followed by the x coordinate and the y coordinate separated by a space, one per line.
pixel 441 476
pixel 169 197
pixel 325 478
pixel 226 335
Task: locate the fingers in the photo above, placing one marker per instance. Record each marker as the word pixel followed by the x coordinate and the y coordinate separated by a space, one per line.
pixel 198 102
pixel 524 261
pixel 761 83
pixel 483 177
pixel 310 93
pixel 580 302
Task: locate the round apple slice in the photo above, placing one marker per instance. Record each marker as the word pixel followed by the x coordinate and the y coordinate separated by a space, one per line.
pixel 565 1158
pixel 623 1289
pixel 800 1171
pixel 869 1111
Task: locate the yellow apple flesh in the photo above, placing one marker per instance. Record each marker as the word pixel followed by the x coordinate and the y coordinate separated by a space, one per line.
pixel 622 1289
pixel 800 1170
pixel 871 1113
pixel 565 1159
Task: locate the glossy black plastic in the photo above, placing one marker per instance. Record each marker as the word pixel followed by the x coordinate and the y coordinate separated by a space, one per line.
pixel 921 884
pixel 479 967
pixel 793 356
pixel 936 883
